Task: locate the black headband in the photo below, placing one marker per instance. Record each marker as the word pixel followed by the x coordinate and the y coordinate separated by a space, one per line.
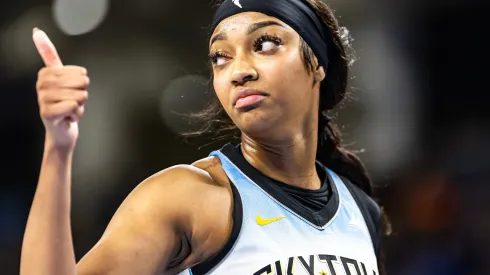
pixel 296 13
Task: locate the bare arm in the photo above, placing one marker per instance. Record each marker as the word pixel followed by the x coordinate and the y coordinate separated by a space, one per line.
pixel 154 229
pixel 149 230
pixel 151 227
pixel 170 222
pixel 141 238
pixel 47 246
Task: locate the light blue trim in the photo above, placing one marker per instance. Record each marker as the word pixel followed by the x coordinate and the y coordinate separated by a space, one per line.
pixel 226 162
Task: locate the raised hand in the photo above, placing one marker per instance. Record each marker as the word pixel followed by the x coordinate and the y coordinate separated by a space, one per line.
pixel 62 93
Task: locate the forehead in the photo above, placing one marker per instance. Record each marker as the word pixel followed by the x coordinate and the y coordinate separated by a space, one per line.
pixel 242 21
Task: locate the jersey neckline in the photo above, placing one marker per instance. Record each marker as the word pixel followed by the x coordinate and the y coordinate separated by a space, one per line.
pixel 318 219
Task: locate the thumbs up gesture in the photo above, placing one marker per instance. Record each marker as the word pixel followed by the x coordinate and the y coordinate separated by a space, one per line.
pixel 61 92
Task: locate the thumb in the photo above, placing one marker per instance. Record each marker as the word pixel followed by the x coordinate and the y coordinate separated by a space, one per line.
pixel 46 49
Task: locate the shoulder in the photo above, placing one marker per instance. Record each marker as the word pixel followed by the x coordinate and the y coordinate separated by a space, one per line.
pixel 204 175
pixel 363 199
pixel 170 217
pixel 212 167
pixel 366 200
pixel 370 210
pixel 171 197
pixel 202 204
pixel 204 171
pixel 189 190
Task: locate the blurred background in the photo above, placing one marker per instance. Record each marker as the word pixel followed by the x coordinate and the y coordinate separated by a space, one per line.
pixel 418 113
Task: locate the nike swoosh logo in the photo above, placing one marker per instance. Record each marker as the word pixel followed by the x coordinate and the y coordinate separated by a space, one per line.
pixel 263 222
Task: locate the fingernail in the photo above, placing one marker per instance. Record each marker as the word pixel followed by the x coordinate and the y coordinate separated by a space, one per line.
pixel 35 30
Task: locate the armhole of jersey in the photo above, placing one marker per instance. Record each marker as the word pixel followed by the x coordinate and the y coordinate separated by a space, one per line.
pixel 370 211
pixel 237 216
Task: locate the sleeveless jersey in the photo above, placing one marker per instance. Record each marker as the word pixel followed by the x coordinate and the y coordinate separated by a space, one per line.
pixel 273 239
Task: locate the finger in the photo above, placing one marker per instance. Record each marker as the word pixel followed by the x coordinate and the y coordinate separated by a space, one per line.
pixel 75 82
pixel 79 113
pixel 59 71
pixel 63 82
pixel 46 49
pixel 54 96
pixel 59 110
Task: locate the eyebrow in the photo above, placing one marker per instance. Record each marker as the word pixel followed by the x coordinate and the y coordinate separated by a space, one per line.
pixel 252 28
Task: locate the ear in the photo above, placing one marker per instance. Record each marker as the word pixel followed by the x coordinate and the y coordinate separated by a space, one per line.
pixel 319 74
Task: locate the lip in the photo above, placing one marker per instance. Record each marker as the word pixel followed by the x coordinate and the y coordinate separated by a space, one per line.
pixel 247 98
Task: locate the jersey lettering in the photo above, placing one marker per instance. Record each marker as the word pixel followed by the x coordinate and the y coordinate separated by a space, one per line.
pixel 316 264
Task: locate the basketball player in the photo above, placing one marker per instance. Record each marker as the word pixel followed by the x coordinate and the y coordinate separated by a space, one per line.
pixel 286 200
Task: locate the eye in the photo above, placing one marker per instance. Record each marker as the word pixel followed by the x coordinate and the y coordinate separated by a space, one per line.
pixel 267 43
pixel 218 58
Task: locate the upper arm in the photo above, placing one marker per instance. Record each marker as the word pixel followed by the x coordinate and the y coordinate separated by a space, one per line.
pixel 146 231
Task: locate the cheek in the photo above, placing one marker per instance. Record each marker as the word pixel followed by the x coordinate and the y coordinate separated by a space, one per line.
pixel 220 88
pixel 287 75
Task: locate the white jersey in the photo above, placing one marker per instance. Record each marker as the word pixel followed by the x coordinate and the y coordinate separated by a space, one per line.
pixel 273 239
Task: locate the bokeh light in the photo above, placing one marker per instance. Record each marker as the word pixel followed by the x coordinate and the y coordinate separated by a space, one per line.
pixel 184 95
pixel 76 17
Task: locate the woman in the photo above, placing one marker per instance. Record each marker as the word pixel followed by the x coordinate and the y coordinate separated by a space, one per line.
pixel 266 206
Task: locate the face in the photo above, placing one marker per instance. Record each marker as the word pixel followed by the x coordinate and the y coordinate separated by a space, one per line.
pixel 260 77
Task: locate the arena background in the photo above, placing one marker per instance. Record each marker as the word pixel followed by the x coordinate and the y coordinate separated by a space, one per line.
pixel 418 113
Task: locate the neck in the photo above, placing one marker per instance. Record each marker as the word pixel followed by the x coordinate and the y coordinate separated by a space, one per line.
pixel 291 161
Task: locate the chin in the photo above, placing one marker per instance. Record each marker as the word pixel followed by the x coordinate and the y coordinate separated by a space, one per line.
pixel 256 123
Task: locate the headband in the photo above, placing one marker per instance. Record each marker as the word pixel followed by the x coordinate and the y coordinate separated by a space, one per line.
pixel 296 13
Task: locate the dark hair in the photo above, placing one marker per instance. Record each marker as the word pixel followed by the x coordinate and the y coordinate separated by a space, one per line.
pixel 333 90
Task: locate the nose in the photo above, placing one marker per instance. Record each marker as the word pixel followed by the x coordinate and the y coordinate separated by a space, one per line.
pixel 243 72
